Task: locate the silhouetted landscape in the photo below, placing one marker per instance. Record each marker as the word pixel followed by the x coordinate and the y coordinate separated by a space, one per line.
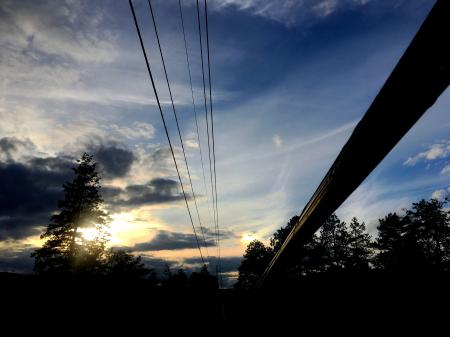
pixel 405 267
pixel 236 167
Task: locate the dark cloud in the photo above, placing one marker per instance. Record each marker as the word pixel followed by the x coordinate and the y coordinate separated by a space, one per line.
pixel 17 261
pixel 114 161
pixel 31 186
pixel 156 191
pixel 158 264
pixel 29 192
pixel 11 145
pixel 228 267
pixel 224 234
pixel 227 264
pixel 165 240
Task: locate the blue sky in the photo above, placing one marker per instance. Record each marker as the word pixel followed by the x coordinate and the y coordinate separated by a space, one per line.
pixel 290 82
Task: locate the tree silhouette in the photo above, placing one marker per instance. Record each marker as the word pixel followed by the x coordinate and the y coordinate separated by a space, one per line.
pixel 429 222
pixel 333 242
pixel 178 280
pixel 122 264
pixel 417 241
pixel 281 234
pixel 203 280
pixel 359 245
pixel 256 258
pixel 66 250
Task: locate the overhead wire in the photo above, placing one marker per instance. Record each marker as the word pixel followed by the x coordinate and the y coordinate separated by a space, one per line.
pixel 207 130
pixel 212 135
pixel 195 111
pixel 178 125
pixel 165 126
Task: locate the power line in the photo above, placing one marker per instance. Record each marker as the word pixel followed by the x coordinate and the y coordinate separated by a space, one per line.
pixel 212 130
pixel 165 126
pixel 207 123
pixel 178 125
pixel 195 109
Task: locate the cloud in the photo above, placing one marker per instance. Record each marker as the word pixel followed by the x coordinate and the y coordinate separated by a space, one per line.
pixel 277 141
pixel 227 263
pixel 228 266
pixel 446 169
pixel 156 191
pixel 72 31
pixel 29 192
pixel 31 186
pixel 290 12
pixel 11 148
pixel 114 159
pixel 16 261
pixel 440 194
pixel 138 130
pixel 435 151
pixel 224 234
pixel 166 240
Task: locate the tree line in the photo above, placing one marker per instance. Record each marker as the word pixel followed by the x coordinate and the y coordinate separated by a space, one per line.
pixel 416 241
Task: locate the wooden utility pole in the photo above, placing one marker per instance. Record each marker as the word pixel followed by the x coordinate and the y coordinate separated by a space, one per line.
pixel 419 78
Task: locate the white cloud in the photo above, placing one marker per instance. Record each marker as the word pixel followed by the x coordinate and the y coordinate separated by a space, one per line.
pixel 435 151
pixel 277 141
pixel 288 11
pixel 446 169
pixel 72 31
pixel 192 143
pixel 136 131
pixel 439 194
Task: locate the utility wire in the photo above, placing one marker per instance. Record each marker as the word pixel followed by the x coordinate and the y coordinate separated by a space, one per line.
pixel 178 125
pixel 207 123
pixel 165 126
pixel 195 111
pixel 212 134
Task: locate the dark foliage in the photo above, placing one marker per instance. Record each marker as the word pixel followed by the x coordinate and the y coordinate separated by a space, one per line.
pixel 256 258
pixel 66 251
pixel 416 242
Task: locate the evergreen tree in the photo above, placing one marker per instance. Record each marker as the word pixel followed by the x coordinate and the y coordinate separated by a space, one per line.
pixel 66 250
pixel 256 259
pixel 281 234
pixel 359 246
pixel 397 247
pixel 429 225
pixel 333 242
pixel 120 263
pixel 203 280
pixel 178 280
pixel 417 241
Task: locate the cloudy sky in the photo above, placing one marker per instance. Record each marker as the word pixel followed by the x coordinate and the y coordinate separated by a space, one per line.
pixel 290 81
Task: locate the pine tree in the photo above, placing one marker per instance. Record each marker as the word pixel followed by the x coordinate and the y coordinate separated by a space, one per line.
pixel 396 245
pixel 359 246
pixel 121 264
pixel 256 258
pixel 430 226
pixel 333 241
pixel 66 251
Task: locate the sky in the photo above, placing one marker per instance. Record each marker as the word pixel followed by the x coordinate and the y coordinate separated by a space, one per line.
pixel 290 80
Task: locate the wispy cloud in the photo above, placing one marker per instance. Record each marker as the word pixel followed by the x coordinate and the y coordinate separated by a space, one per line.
pixel 290 12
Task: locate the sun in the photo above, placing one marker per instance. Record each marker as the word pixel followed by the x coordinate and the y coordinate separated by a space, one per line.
pixel 89 233
pixel 124 229
pixel 247 238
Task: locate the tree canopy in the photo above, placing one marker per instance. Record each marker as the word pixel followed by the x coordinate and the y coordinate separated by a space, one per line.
pixel 416 241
